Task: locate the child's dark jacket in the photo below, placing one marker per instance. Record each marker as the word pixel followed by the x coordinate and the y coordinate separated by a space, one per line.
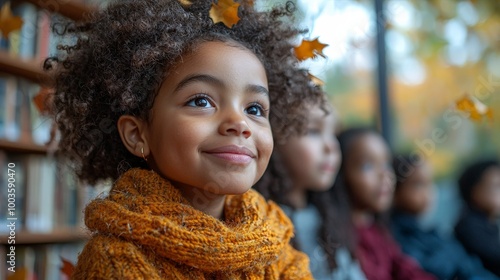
pixel 481 237
pixel 443 257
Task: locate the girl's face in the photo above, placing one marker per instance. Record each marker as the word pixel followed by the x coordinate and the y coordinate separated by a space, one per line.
pixel 369 174
pixel 415 194
pixel 313 159
pixel 209 129
pixel 486 194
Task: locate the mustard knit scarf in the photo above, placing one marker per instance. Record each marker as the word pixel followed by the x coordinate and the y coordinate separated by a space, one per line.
pixel 145 229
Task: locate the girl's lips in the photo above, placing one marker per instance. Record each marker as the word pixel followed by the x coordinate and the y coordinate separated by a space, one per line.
pixel 328 167
pixel 233 154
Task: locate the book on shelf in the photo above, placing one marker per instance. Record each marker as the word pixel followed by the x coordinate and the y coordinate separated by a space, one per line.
pixel 16 93
pixel 48 196
pixel 41 262
pixel 20 119
pixel 19 192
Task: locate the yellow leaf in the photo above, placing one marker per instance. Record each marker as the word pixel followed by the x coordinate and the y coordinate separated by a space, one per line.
pixel 489 114
pixel 67 268
pixel 475 115
pixel 465 104
pixel 309 49
pixel 9 22
pixel 225 11
pixel 315 80
pixel 185 3
pixel 476 109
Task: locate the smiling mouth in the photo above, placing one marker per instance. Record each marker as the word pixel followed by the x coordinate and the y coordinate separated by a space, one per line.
pixel 232 154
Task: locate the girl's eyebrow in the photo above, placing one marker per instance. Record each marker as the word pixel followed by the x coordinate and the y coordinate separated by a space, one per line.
pixel 257 89
pixel 198 78
pixel 216 82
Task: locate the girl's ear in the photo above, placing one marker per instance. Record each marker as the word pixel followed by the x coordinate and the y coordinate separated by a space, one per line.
pixel 132 132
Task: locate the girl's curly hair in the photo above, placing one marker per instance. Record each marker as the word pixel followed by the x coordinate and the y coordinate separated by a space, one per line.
pixel 121 54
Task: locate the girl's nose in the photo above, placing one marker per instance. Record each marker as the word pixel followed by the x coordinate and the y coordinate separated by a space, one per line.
pixel 331 145
pixel 235 123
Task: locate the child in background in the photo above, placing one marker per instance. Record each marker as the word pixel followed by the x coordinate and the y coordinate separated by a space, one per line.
pixel 443 257
pixel 175 108
pixel 362 194
pixel 300 172
pixel 478 226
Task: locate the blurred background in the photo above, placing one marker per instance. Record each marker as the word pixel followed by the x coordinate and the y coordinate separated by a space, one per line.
pixel 438 52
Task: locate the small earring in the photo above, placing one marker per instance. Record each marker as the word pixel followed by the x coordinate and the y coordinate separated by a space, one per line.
pixel 142 152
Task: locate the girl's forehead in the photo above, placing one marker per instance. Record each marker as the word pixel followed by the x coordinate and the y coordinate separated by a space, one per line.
pixel 367 145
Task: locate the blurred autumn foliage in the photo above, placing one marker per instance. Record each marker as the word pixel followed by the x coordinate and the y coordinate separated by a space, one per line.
pixel 439 52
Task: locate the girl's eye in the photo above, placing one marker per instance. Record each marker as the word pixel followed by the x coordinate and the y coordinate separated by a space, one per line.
pixel 313 131
pixel 200 101
pixel 255 110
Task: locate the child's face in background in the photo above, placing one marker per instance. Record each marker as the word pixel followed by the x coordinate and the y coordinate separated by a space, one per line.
pixel 369 174
pixel 415 194
pixel 486 194
pixel 312 160
pixel 209 129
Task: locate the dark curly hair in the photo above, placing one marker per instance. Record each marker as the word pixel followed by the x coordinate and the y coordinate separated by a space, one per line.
pixel 404 165
pixel 121 54
pixel 472 175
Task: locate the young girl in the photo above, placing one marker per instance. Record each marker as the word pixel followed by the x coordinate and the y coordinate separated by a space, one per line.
pixel 479 226
pixel 362 194
pixel 442 256
pixel 176 109
pixel 301 169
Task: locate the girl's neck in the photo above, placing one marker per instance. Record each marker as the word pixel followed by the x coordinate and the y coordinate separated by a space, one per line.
pixel 362 218
pixel 297 197
pixel 206 202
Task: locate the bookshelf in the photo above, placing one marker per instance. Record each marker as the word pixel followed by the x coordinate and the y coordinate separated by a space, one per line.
pixel 49 199
pixel 70 9
pixel 28 69
pixel 24 148
pixel 61 235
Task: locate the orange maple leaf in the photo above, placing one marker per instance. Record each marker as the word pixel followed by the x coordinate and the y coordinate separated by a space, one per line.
pixel 477 111
pixel 67 268
pixel 465 104
pixel 225 11
pixel 309 49
pixel 9 22
pixel 315 80
pixel 42 98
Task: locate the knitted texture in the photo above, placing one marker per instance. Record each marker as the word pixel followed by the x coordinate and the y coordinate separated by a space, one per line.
pixel 145 229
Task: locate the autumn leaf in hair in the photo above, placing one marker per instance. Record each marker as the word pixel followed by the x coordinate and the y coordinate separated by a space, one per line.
pixel 315 80
pixel 9 22
pixel 475 108
pixel 42 98
pixel 225 11
pixel 67 268
pixel 185 3
pixel 309 49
